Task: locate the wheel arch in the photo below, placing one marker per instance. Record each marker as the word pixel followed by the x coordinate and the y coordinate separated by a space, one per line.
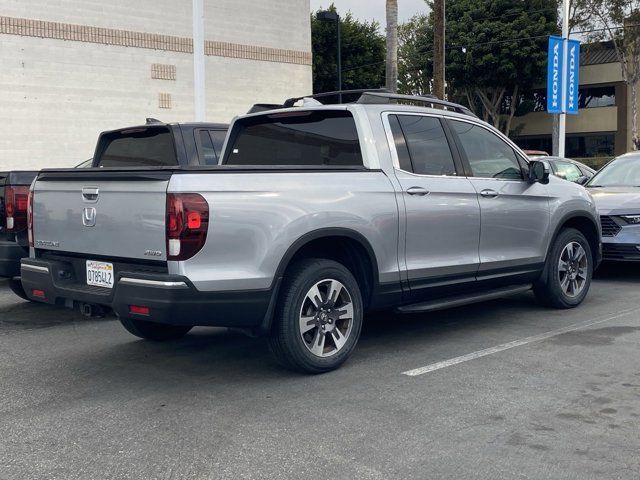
pixel 344 245
pixel 585 224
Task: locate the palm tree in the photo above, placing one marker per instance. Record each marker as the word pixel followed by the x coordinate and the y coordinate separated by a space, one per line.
pixel 392 45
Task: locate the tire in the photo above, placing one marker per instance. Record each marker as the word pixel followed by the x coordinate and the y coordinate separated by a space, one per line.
pixel 566 288
pixel 16 287
pixel 158 332
pixel 331 324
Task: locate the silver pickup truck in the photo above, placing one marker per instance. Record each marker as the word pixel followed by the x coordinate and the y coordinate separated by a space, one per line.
pixel 316 214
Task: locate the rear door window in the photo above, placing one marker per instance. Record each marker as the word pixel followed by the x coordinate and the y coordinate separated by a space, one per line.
pixel 306 138
pixel 217 138
pixel 426 145
pixel 151 147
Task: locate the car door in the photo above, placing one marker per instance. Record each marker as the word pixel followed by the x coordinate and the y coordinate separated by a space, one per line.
pixel 514 212
pixel 442 210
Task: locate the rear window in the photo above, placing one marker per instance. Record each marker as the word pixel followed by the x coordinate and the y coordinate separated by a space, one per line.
pixel 151 147
pixel 311 138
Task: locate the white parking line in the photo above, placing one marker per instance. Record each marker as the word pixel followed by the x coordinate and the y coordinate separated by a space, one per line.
pixel 515 343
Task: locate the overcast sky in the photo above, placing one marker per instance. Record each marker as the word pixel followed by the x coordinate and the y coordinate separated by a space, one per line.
pixel 373 9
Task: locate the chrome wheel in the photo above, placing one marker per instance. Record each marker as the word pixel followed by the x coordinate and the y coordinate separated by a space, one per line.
pixel 326 318
pixel 573 269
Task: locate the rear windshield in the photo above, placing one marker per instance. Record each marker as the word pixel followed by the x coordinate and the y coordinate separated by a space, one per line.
pixel 320 138
pixel 137 147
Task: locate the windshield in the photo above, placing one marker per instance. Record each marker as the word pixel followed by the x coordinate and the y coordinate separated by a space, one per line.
pixel 622 172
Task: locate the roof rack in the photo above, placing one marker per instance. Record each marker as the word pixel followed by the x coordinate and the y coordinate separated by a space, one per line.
pixel 338 93
pixel 369 96
pixel 387 97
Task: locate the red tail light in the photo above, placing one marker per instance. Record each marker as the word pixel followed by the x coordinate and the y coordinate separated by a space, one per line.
pixel 30 217
pixel 187 223
pixel 16 205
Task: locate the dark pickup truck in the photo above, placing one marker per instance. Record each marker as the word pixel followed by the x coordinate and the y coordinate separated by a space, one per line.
pixel 14 244
pixel 153 144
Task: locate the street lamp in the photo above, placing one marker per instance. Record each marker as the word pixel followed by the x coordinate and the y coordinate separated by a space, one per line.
pixel 332 16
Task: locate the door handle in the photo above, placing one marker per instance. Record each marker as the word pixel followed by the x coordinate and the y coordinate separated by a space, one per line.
pixel 488 193
pixel 417 191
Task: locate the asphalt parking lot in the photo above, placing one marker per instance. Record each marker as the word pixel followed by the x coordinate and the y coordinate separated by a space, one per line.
pixel 558 398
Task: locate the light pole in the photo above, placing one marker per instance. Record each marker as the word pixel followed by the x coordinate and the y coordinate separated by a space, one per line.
pixel 332 16
pixel 198 61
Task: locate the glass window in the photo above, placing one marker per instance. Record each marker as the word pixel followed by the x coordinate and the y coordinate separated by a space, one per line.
pixel 489 156
pixel 207 152
pixel 427 144
pixel 401 146
pixel 622 172
pixel 320 138
pixel 138 147
pixel 567 170
pixel 218 136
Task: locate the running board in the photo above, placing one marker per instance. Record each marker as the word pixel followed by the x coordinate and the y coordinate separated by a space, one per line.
pixel 460 300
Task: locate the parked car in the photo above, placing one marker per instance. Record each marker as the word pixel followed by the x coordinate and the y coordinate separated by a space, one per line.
pixel 616 191
pixel 535 154
pixel 154 143
pixel 315 215
pixel 570 170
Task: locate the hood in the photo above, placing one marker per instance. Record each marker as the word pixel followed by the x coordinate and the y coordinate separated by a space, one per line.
pixel 616 200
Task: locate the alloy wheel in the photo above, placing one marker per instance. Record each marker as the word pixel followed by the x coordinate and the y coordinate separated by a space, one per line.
pixel 573 269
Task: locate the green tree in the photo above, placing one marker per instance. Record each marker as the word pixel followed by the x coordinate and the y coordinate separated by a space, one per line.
pixel 363 53
pixel 415 58
pixel 496 53
pixel 618 21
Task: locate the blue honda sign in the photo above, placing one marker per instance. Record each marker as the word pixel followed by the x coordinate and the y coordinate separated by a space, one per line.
pixel 558 74
pixel 554 75
pixel 573 59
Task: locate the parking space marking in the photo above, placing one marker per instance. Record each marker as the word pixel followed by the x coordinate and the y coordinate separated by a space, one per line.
pixel 516 343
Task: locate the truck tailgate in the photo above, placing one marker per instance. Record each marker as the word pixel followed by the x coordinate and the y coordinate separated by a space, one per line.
pixel 101 213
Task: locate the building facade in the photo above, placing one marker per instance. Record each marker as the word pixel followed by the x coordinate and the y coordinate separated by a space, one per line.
pixel 602 127
pixel 74 68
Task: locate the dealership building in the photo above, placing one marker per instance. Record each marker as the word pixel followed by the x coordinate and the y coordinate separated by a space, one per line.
pixel 74 68
pixel 602 127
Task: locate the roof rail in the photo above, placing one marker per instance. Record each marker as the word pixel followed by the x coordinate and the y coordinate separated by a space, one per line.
pixel 338 93
pixel 387 97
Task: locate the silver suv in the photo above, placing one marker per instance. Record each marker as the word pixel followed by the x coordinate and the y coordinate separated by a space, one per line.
pixel 315 215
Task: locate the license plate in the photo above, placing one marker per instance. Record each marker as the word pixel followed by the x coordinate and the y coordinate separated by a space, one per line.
pixel 100 274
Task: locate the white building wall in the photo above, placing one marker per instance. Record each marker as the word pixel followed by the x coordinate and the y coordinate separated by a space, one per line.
pixel 57 95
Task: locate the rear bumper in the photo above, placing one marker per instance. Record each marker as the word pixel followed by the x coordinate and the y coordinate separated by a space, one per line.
pixel 10 255
pixel 171 299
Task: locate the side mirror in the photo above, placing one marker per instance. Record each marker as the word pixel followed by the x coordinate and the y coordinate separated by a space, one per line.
pixel 582 180
pixel 539 172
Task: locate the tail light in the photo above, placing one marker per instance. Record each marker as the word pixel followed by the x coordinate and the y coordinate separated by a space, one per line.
pixel 30 217
pixel 187 222
pixel 16 205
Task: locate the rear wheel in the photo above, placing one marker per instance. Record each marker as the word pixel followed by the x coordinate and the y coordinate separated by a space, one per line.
pixel 16 287
pixel 567 275
pixel 153 330
pixel 318 318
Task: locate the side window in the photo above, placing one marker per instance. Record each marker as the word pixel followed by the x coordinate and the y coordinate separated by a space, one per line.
pixel 401 145
pixel 207 151
pixel 568 171
pixel 427 145
pixel 489 156
pixel 218 136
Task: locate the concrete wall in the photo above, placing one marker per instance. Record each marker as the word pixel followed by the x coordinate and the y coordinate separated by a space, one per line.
pixel 57 95
pixel 602 119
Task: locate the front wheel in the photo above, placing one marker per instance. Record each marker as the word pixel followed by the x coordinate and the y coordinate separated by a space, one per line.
pixel 318 318
pixel 154 331
pixel 567 275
